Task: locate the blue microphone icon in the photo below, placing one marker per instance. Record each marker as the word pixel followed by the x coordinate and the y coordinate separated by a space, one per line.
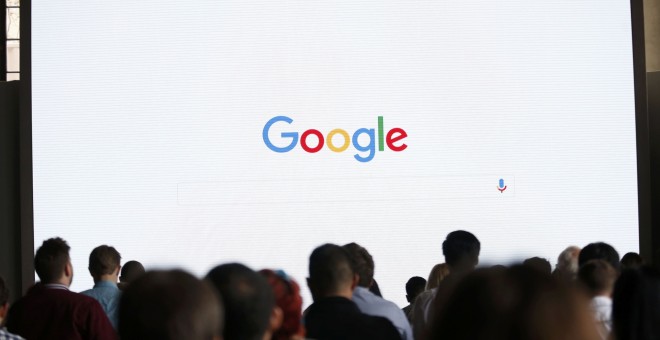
pixel 501 187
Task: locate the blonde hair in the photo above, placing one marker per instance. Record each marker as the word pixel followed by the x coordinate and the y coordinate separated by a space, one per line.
pixel 567 261
pixel 438 273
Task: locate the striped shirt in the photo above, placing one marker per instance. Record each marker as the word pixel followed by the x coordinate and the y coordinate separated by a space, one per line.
pixel 4 335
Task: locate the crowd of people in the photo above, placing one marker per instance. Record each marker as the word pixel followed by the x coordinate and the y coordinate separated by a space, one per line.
pixel 591 294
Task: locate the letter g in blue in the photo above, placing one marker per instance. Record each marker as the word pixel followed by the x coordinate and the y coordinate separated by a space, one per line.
pixel 292 135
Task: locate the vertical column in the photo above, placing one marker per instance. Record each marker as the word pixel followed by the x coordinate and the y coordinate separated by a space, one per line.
pixel 3 41
pixel 652 34
pixel 10 227
pixel 653 235
pixel 26 218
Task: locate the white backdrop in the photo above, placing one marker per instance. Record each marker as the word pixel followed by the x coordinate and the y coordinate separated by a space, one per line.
pixel 148 121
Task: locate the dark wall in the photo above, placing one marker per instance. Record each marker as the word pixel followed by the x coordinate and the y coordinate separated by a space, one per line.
pixel 653 100
pixel 10 230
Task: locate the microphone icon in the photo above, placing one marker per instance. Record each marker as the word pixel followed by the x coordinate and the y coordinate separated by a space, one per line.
pixel 501 187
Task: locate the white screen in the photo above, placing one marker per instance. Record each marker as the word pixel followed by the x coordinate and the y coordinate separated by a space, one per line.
pixel 148 121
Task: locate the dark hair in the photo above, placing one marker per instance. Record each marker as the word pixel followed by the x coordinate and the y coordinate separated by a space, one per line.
pixel 169 305
pixel 248 300
pixel 539 264
pixel 511 303
pixel 414 287
pixel 374 289
pixel 461 248
pixel 4 292
pixel 130 271
pixel 51 259
pixel 631 261
pixel 103 260
pixel 330 269
pixel 599 251
pixel 636 305
pixel 597 276
pixel 363 263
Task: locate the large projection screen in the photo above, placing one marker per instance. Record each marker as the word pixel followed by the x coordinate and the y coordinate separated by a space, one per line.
pixel 193 134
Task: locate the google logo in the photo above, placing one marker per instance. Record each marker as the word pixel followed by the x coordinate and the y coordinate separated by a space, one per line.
pixel 392 136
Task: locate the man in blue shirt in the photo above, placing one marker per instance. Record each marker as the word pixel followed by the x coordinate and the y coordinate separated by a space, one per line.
pixel 104 266
pixel 368 302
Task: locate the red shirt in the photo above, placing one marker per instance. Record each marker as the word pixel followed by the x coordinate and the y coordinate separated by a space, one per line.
pixel 54 312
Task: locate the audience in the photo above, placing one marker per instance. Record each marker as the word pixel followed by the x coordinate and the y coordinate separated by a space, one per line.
pixel 104 267
pixel 369 303
pixel 599 251
pixel 524 302
pixel 4 308
pixel 539 264
pixel 636 305
pixel 567 263
pixel 49 310
pixel 414 287
pixel 437 274
pixel 461 250
pixel 170 305
pixel 333 315
pixel 631 261
pixel 512 303
pixel 129 272
pixel 598 277
pixel 289 301
pixel 250 310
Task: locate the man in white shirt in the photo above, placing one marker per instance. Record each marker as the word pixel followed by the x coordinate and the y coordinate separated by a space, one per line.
pixel 461 250
pixel 598 278
pixel 368 302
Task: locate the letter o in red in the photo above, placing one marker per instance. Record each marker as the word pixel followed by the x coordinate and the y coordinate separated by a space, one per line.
pixel 303 140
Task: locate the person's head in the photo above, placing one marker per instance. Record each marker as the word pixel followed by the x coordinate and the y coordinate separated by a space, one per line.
pixel 636 305
pixel 104 263
pixel 130 271
pixel 4 300
pixel 597 277
pixel 289 301
pixel 461 250
pixel 539 264
pixel 599 251
pixel 169 305
pixel 374 289
pixel 363 263
pixel 631 261
pixel 331 272
pixel 52 262
pixel 250 312
pixel 567 262
pixel 437 274
pixel 414 287
pixel 512 303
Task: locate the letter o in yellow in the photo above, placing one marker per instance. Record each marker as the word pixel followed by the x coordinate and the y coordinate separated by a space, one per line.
pixel 347 140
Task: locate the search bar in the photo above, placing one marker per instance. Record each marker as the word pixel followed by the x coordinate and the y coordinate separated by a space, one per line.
pixel 247 191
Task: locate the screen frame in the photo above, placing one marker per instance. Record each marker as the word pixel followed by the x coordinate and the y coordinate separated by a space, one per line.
pixel 645 148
